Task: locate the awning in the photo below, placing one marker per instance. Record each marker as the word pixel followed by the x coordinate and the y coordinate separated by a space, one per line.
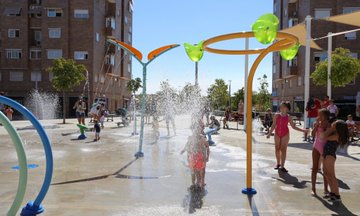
pixel 12 11
pixel 349 19
pixel 300 32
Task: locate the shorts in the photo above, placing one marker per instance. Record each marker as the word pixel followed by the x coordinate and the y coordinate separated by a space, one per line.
pixel 80 114
pixel 310 122
pixel 97 128
pixel 330 149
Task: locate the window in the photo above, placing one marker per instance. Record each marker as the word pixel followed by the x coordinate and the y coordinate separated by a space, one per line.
pixel 320 56
pixel 51 76
pixel 129 37
pixel 130 29
pixel 35 54
pixel 13 11
pixel 299 81
pixel 13 33
pixel 130 7
pixel 35 76
pixel 322 13
pixel 54 32
pixel 354 55
pixel 112 60
pixel 350 36
pixel 274 69
pixel 126 20
pixel 16 76
pixel 81 13
pixel 350 9
pixel 81 55
pixel 0 76
pixel 13 53
pixel 97 37
pixel 292 62
pixel 54 53
pixel 290 83
pixel 37 35
pixel 54 12
pixel 129 68
pixel 293 22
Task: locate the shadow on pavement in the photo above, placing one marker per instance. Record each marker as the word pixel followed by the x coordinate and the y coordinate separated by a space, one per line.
pixel 194 199
pixel 97 177
pixel 286 178
pixel 253 206
pixel 338 207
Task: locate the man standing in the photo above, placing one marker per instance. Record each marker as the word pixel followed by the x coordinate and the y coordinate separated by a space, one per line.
pixel 312 108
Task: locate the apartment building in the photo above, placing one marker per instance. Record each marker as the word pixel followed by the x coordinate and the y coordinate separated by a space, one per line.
pixel 35 32
pixel 288 76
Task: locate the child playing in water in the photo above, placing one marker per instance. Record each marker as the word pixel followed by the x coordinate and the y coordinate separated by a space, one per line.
pixel 97 129
pixel 155 126
pixel 198 155
pixel 9 113
pixel 282 136
pixel 320 126
pixel 336 136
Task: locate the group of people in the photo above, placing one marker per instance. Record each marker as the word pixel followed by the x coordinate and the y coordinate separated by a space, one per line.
pixel 329 134
pixel 97 113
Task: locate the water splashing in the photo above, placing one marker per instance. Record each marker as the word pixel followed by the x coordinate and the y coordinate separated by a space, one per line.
pixel 43 105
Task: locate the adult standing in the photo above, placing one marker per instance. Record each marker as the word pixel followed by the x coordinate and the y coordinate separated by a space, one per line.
pixel 312 108
pixel 80 107
pixel 2 107
pixel 333 109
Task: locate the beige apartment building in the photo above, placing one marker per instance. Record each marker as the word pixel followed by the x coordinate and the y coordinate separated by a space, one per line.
pixel 35 32
pixel 288 76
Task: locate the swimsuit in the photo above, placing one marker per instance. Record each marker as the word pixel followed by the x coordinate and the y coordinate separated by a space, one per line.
pixel 282 128
pixel 319 143
pixel 197 161
pixel 330 149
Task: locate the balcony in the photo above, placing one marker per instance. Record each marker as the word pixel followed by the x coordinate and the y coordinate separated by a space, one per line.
pixel 293 10
pixel 292 71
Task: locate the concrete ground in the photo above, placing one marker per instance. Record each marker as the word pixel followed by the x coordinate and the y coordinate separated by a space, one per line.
pixel 103 178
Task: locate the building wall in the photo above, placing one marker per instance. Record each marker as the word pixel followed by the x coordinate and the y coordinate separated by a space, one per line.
pixel 87 34
pixel 291 88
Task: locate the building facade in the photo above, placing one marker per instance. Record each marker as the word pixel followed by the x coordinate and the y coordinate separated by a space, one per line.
pixel 35 32
pixel 288 76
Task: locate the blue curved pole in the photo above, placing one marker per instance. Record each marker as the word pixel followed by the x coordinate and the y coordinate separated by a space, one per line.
pixel 34 208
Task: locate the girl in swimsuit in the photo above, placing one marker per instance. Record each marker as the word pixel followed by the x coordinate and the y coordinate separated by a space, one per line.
pixel 320 126
pixel 336 136
pixel 282 136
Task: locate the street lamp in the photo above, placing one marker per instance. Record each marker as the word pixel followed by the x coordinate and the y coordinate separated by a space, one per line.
pixel 138 56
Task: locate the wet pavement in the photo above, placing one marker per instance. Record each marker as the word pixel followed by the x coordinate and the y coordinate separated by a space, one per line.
pixel 104 178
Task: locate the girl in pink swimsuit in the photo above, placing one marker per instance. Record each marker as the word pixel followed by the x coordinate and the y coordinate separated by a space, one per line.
pixel 320 126
pixel 282 135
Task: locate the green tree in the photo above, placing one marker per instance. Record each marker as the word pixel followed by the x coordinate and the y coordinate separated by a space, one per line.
pixel 238 96
pixel 134 85
pixel 344 69
pixel 218 94
pixel 263 96
pixel 67 75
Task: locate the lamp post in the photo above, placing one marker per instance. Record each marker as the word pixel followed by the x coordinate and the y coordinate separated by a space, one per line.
pixel 138 56
pixel 307 66
pixel 329 64
pixel 229 93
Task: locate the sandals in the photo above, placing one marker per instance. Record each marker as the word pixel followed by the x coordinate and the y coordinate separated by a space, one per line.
pixel 277 167
pixel 284 170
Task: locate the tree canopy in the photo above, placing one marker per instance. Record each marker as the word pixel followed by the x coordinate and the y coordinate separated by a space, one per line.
pixel 134 84
pixel 218 94
pixel 344 69
pixel 263 96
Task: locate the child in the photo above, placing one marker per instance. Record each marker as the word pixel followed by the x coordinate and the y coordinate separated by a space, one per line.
pixel 336 136
pixel 97 129
pixel 198 155
pixel 268 119
pixel 155 126
pixel 352 126
pixel 282 136
pixel 320 126
pixel 9 113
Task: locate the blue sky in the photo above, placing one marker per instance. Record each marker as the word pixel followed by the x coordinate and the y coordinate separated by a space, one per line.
pixel 162 22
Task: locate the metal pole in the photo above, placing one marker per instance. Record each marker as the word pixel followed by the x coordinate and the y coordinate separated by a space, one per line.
pixel 143 103
pixel 307 66
pixel 196 73
pixel 229 93
pixel 329 64
pixel 134 114
pixel 246 77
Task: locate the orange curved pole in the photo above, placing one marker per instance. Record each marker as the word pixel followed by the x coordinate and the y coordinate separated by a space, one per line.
pixel 153 54
pixel 128 47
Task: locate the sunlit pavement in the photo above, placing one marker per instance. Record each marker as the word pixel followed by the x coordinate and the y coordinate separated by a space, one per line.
pixel 104 178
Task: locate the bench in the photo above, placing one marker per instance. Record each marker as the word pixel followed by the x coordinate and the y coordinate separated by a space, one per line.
pixel 110 117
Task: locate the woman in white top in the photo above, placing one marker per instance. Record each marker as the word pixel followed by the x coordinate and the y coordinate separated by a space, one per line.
pixel 333 109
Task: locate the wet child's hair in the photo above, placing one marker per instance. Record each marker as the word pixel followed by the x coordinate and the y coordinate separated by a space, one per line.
pixel 326 113
pixel 286 104
pixel 342 131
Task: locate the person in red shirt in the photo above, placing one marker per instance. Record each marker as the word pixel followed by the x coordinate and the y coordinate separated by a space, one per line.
pixel 312 108
pixel 326 102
